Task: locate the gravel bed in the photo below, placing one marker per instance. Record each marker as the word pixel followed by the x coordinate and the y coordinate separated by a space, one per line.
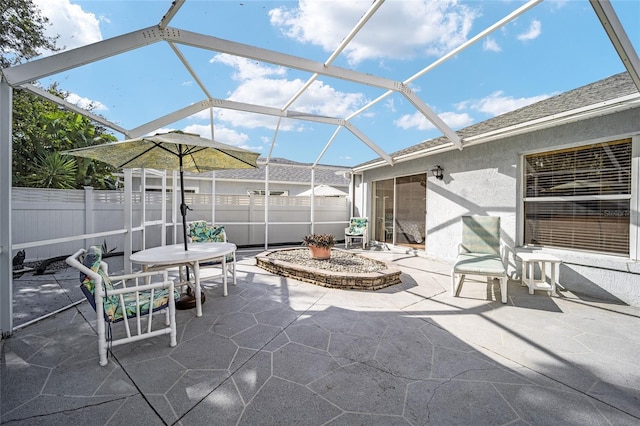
pixel 339 261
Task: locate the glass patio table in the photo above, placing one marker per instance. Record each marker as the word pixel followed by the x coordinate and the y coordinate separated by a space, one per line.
pixel 170 256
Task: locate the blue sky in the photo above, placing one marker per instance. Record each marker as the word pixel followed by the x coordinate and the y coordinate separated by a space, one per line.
pixel 554 47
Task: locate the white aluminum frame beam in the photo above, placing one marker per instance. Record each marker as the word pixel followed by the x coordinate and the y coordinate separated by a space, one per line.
pixel 233 48
pixel 39 68
pixel 614 29
pixel 433 117
pixel 510 17
pixel 343 44
pixel 175 7
pixel 226 104
pixel 71 107
pixel 269 56
pixel 257 109
pixel 190 69
pixel 32 71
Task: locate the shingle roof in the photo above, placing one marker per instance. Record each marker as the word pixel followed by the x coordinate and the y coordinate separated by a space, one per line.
pixel 283 170
pixel 609 88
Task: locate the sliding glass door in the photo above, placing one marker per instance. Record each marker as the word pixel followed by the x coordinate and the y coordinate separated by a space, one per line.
pixel 383 211
pixel 400 210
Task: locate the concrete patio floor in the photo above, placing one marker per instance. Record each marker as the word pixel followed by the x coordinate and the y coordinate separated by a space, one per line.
pixel 282 352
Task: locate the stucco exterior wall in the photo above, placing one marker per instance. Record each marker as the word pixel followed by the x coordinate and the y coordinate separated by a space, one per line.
pixel 485 179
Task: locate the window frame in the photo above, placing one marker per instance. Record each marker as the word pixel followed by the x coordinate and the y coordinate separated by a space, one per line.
pixel 633 197
pixel 272 192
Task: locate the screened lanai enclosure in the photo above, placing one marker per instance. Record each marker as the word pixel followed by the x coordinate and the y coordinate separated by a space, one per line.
pixel 397 207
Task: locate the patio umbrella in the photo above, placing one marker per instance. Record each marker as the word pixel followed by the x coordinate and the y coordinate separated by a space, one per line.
pixel 171 151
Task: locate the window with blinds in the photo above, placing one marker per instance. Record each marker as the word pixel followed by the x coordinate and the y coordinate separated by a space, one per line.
pixel 579 198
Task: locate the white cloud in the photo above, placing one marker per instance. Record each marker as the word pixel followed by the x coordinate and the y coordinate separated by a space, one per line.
pixel 222 134
pixel 323 99
pixel 534 31
pixel 557 4
pixel 419 121
pixel 496 103
pixel 390 104
pixel 256 86
pixel 247 69
pixel 490 44
pixel 74 26
pixel 399 29
pixel 85 103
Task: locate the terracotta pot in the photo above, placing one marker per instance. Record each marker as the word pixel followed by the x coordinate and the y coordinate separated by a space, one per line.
pixel 320 253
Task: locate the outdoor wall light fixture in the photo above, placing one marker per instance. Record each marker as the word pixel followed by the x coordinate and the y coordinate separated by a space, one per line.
pixel 437 172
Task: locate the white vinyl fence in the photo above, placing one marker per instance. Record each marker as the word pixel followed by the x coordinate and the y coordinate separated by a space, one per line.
pixel 49 223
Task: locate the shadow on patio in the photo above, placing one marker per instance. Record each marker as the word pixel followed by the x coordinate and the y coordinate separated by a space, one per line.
pixel 279 351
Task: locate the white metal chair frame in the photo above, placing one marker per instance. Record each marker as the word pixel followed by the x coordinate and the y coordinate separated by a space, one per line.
pixel 141 283
pixel 480 253
pixel 350 236
pixel 215 262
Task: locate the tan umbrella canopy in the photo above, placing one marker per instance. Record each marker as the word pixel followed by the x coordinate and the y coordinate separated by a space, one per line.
pixel 171 151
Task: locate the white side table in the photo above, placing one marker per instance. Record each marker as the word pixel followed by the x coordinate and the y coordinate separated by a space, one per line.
pixel 529 261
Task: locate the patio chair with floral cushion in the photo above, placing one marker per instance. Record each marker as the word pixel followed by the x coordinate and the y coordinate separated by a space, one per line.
pixel 201 232
pixel 357 230
pixel 125 298
pixel 479 253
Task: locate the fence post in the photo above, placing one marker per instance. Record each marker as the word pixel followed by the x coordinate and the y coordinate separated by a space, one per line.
pixel 88 213
pixel 6 264
pixel 266 204
pixel 128 219
pixel 251 214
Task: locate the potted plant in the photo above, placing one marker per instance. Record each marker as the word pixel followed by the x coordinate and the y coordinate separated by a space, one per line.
pixel 319 245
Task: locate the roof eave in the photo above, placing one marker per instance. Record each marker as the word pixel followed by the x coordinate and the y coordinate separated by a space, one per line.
pixel 598 109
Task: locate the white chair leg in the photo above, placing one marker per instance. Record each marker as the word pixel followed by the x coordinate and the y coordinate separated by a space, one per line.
pixel 233 270
pixel 453 284
pixel 102 347
pixel 456 283
pixel 172 317
pixel 102 339
pixel 503 288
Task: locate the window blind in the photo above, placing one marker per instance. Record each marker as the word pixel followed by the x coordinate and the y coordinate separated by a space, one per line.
pixel 579 198
pixel 602 169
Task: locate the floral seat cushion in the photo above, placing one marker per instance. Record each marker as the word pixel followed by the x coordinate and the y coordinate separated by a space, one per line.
pixel 115 307
pixel 357 226
pixel 201 232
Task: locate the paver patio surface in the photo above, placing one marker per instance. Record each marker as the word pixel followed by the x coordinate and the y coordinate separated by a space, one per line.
pixel 277 351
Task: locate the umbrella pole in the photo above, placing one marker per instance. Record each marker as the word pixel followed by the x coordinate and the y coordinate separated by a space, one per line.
pixel 187 301
pixel 183 209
